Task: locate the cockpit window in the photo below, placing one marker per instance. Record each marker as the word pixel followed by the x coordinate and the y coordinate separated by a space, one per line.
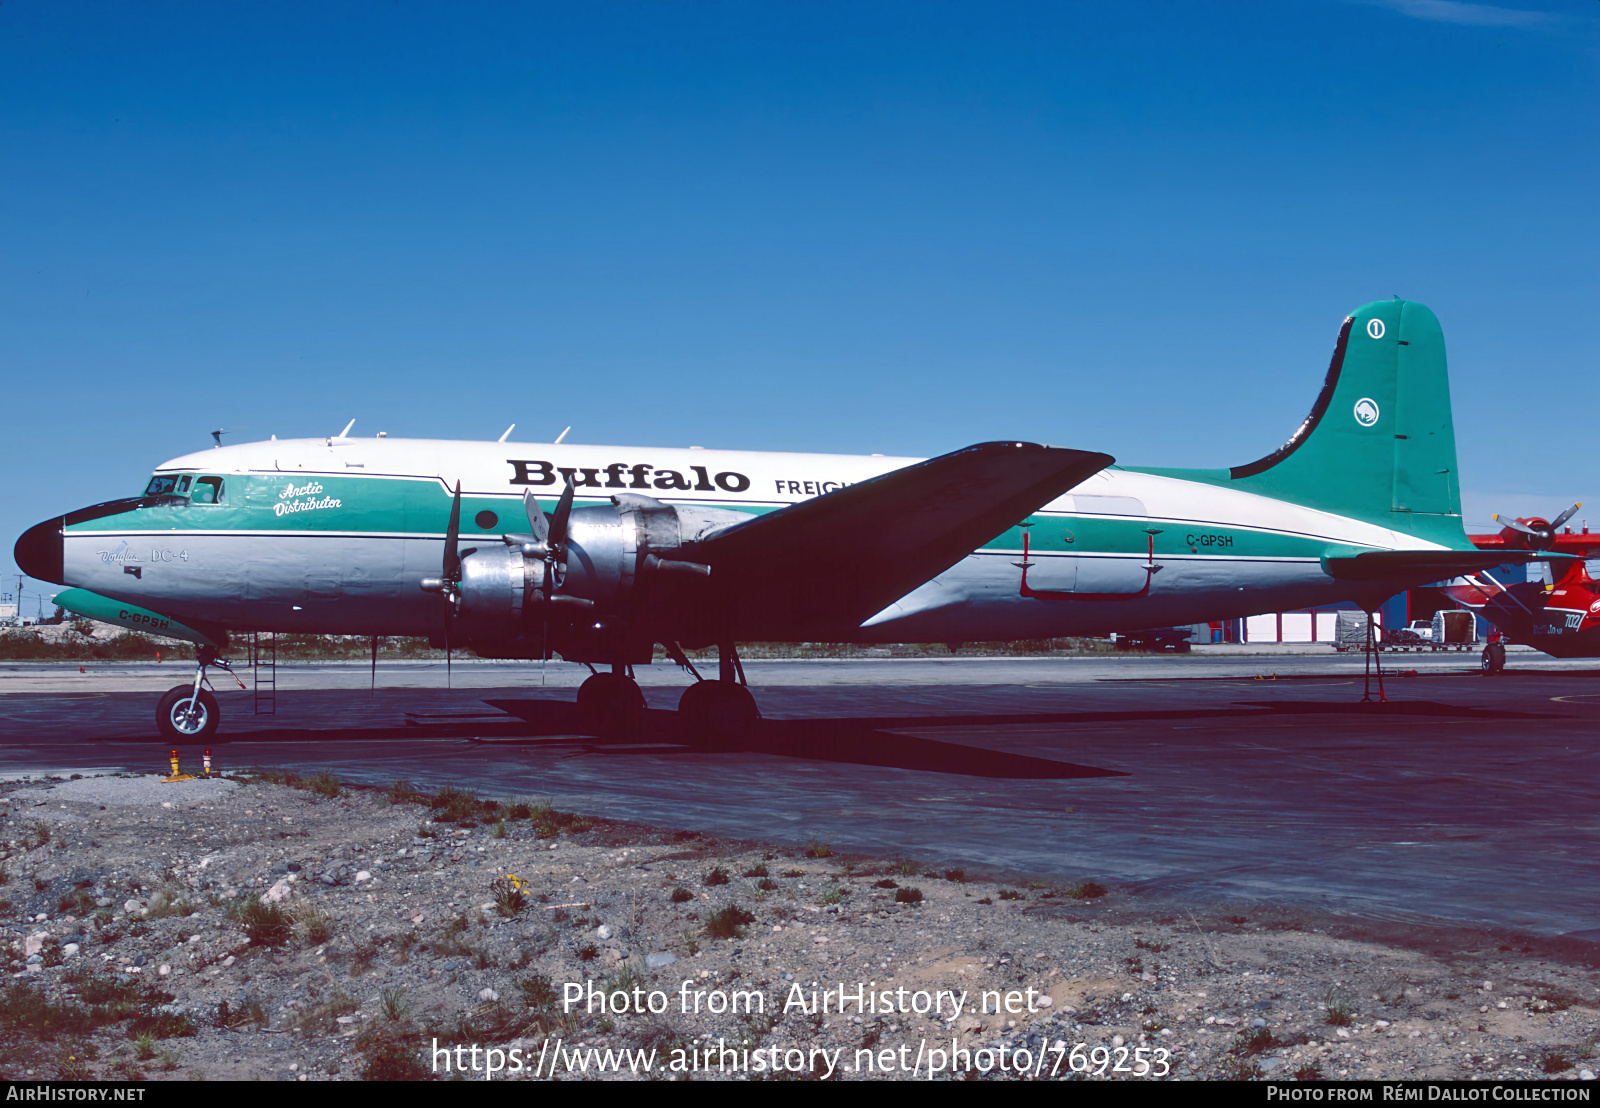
pixel 207 490
pixel 160 485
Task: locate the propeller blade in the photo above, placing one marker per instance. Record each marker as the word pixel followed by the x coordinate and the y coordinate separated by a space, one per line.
pixel 1515 525
pixel 538 525
pixel 1555 524
pixel 558 524
pixel 452 539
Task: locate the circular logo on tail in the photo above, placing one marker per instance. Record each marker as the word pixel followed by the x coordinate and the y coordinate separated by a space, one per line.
pixel 1375 328
pixel 1366 411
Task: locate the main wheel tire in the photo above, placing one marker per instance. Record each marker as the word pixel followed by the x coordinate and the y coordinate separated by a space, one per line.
pixel 715 714
pixel 1494 659
pixel 182 719
pixel 610 703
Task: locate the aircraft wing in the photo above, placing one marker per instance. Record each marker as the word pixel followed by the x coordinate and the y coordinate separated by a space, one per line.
pixel 839 558
pixel 1426 565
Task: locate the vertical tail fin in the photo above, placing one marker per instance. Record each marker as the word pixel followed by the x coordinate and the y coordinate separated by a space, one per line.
pixel 1379 444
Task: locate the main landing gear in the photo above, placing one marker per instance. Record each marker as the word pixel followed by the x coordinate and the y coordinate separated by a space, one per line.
pixel 714 713
pixel 610 703
pixel 1494 659
pixel 190 711
pixel 710 713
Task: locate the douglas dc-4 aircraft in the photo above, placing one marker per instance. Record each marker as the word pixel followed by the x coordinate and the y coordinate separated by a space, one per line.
pixel 596 553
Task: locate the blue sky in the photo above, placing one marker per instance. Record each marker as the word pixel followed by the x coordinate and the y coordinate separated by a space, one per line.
pixel 847 227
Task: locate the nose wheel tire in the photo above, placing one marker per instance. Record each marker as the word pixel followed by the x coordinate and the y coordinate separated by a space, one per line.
pixel 714 713
pixel 1494 659
pixel 184 717
pixel 610 703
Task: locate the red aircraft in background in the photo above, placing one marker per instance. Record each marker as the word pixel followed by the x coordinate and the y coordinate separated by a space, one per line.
pixel 1558 613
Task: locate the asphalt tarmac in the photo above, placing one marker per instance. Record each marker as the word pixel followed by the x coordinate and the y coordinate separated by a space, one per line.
pixel 1223 777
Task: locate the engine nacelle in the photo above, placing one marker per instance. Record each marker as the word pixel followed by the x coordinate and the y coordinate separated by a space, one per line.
pixel 503 605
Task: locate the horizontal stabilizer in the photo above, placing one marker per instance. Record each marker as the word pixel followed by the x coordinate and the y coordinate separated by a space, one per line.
pixel 1425 565
pixel 839 558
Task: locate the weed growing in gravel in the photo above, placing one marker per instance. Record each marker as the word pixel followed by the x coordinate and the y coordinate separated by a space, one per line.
pixel 509 899
pixel 537 991
pixel 1556 1059
pixel 499 829
pixel 908 895
pixel 393 1059
pixel 144 1047
pixel 1257 1040
pixel 728 923
pixel 79 902
pixel 73 1067
pixel 401 792
pixel 395 1005
pixel 24 1010
pixel 323 1018
pixel 266 924
pixel 1339 1012
pixel 756 871
pixel 453 805
pixel 160 1025
pixel 249 1011
pixel 1087 890
pixel 168 903
pixel 959 876
pixel 834 894
pixel 588 952
pixel 816 848
pixel 906 867
pixel 794 873
pixel 1009 894
pixel 681 895
pixel 766 884
pixel 323 784
pixel 717 876
pixel 315 923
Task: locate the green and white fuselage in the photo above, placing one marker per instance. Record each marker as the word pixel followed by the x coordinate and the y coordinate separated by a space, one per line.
pixel 337 535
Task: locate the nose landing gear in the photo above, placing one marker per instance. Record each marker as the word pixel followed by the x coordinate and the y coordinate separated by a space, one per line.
pixel 190 711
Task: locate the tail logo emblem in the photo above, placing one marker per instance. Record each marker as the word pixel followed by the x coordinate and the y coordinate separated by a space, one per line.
pixel 1366 410
pixel 1375 328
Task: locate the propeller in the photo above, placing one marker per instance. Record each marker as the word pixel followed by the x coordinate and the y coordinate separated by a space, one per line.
pixel 448 583
pixel 547 537
pixel 1540 534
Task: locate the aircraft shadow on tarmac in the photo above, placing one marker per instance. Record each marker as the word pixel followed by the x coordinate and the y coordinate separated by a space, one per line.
pixel 868 741
pixel 862 742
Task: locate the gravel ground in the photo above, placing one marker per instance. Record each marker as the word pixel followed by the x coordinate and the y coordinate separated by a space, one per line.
pixel 240 929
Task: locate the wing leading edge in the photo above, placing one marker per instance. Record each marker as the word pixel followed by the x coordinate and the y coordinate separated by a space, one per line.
pixel 830 563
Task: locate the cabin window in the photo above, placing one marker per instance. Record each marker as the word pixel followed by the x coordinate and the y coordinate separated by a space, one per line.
pixel 183 485
pixel 207 490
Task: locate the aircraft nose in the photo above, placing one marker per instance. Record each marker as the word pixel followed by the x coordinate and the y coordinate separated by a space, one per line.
pixel 40 551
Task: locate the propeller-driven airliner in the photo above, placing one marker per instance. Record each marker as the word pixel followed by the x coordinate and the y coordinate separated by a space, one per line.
pixel 597 553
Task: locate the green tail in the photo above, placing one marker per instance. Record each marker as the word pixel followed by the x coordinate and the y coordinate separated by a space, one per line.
pixel 1379 444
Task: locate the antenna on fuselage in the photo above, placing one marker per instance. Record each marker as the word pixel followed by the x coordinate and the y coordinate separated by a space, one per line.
pixel 560 437
pixel 507 435
pixel 219 432
pixel 346 432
